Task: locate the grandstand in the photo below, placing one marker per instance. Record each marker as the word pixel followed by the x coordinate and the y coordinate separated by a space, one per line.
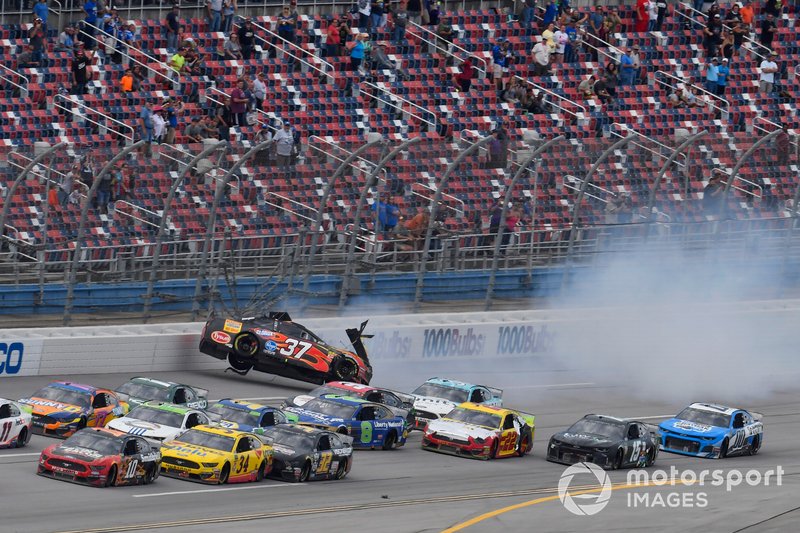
pixel 268 218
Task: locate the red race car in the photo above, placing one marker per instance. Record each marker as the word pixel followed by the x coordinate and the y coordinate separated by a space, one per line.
pixel 101 457
pixel 276 345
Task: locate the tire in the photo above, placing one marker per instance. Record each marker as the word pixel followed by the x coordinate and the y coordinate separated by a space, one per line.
pixel 495 450
pixel 226 472
pixel 246 345
pixel 391 440
pixel 756 445
pixel 261 471
pixel 82 423
pixel 523 446
pixel 111 480
pixel 651 457
pixel 22 438
pixel 305 473
pixel 239 363
pixel 341 471
pixel 618 460
pixel 345 369
pixel 723 450
pixel 150 475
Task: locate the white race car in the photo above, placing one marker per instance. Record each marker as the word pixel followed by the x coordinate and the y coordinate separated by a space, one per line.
pixel 15 425
pixel 159 421
pixel 438 396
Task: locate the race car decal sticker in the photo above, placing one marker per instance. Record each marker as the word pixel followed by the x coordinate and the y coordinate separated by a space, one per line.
pixel 75 450
pixel 265 333
pixel 220 337
pixel 700 428
pixel 232 326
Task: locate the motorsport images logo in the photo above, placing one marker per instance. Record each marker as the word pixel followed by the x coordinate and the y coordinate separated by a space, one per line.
pixel 584 504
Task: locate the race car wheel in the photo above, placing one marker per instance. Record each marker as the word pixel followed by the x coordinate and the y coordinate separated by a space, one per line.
pixel 82 422
pixel 261 470
pixel 341 471
pixel 149 475
pixel 305 473
pixel 756 445
pixel 723 450
pixel 494 451
pixel 523 446
pixel 223 476
pixel 345 369
pixel 246 344
pixel 391 440
pixel 22 438
pixel 618 460
pixel 111 480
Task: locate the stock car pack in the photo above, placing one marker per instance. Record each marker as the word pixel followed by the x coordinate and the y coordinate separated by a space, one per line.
pixel 277 345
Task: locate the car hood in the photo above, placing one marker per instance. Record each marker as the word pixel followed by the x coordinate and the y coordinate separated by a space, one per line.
pixel 76 452
pixel 585 440
pixel 434 405
pixel 143 429
pixel 235 425
pixel 460 429
pixel 693 429
pixel 42 407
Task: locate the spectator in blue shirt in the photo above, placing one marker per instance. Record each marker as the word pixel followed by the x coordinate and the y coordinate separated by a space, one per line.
pixel 550 13
pixel 627 69
pixel 90 8
pixel 40 10
pixel 712 76
pixel 723 72
pixel 570 50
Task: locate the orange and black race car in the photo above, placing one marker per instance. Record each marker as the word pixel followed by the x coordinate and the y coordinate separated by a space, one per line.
pixel 276 345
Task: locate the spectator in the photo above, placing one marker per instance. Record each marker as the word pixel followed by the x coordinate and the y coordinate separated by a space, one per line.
pixel 445 34
pixel 36 37
pixel 90 18
pixel 388 214
pixel 528 12
pixel 464 78
pixel 27 59
pixel 712 76
pixel 430 12
pixel 332 40
pixel 740 32
pixel 67 183
pixel 232 48
pixel 344 29
pixel 637 64
pixel 103 196
pixel 614 208
pixel 595 29
pixel 214 12
pixel 415 11
pixel 561 39
pixel 263 157
pixel 573 40
pixel 380 61
pixel 747 13
pixel 652 15
pixel 498 148
pixel 138 77
pixel 287 25
pixel 783 145
pixel 194 132
pixel 239 104
pixel 642 16
pixel 357 50
pixel 728 45
pixel 611 78
pixel 172 108
pixel 662 13
pixel 501 55
pixel 377 12
pixel 514 92
pixel 284 141
pixel 534 102
pixel 364 10
pixel 613 24
pixel 601 90
pixel 627 69
pixel 712 196
pixel 773 7
pixel 159 125
pixel 541 59
pixel 712 35
pixel 172 28
pixel 768 30
pixel 80 70
pixel 223 119
pixel 229 8
pixel 126 83
pixel 41 12
pixel 259 90
pixel 66 41
pixel 733 16
pixel 586 87
pixel 120 184
pixel 549 36
pixel 723 73
pixel 247 39
pixel 550 13
pixel 178 60
pixel 768 68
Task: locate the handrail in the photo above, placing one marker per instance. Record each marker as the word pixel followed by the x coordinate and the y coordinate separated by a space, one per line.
pixel 570 178
pixel 139 208
pixel 17 232
pixel 163 149
pixel 131 58
pixel 564 98
pixel 681 80
pixel 628 129
pixel 107 117
pixel 434 43
pixel 21 76
pixel 390 94
pixel 585 40
pixel 284 208
pixel 338 147
pixel 756 126
pixel 259 111
pixel 75 181
pixel 740 189
pixel 306 52
pixel 610 46
pixel 450 196
pixel 747 38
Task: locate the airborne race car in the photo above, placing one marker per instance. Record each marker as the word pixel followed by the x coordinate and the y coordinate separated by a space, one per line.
pixel 276 345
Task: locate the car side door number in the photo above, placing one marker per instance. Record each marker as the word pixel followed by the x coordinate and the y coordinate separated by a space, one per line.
pixel 295 348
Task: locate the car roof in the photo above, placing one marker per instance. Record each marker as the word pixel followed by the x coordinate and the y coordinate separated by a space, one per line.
pixel 155 382
pixel 218 430
pixel 606 418
pixel 170 407
pixel 713 408
pixel 77 387
pixel 351 386
pixel 345 400
pixel 243 405
pixel 452 383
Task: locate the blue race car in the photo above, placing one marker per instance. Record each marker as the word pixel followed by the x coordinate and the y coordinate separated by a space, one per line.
pixel 438 396
pixel 370 424
pixel 247 416
pixel 712 431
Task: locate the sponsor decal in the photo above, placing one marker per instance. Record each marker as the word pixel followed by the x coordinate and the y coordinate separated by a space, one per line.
pixel 380 424
pixel 11 357
pixel 692 426
pixel 452 342
pixel 232 326
pixel 523 340
pixel 270 346
pixel 76 450
pixel 265 333
pixel 220 337
pixel 394 346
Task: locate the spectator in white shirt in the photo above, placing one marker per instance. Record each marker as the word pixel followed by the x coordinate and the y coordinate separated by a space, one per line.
pixel 766 80
pixel 541 59
pixel 284 145
pixel 259 90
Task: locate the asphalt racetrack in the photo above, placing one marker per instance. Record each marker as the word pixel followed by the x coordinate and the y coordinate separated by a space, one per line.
pixel 413 490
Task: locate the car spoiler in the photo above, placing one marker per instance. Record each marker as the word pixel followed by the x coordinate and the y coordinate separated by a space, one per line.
pixel 527 417
pixel 355 335
pixel 406 398
pixel 758 417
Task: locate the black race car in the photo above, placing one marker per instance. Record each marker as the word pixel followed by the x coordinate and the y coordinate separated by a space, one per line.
pixel 302 453
pixel 606 441
pixel 276 345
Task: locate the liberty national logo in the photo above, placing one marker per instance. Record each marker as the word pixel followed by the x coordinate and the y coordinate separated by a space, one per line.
pixel 587 504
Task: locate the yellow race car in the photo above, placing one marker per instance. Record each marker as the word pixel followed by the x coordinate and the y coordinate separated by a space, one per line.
pixel 211 454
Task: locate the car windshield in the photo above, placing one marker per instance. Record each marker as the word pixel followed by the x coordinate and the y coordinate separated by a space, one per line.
pixel 707 418
pixel 207 440
pixel 332 409
pixel 444 392
pixel 232 414
pixel 157 416
pixel 477 418
pixel 145 391
pixel 287 436
pixel 71 397
pixel 591 426
pixel 328 389
pixel 98 442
